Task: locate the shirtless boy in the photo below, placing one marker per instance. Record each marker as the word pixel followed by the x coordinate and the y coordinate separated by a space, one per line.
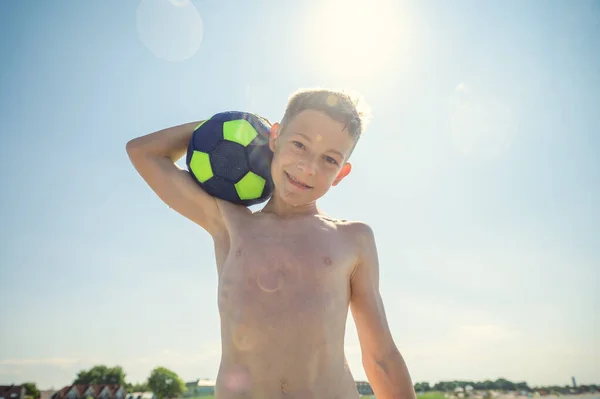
pixel 288 273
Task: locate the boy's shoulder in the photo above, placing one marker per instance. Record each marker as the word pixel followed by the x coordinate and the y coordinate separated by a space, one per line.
pixel 353 229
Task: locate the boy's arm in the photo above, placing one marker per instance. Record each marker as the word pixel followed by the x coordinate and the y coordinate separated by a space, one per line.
pixel 154 156
pixel 384 365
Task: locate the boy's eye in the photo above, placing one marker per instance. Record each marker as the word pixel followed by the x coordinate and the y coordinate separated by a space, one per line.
pixel 298 144
pixel 330 160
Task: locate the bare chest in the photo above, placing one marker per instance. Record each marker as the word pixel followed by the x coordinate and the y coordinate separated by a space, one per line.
pixel 275 272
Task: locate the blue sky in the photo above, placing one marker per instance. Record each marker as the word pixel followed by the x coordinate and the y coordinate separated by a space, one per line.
pixel 479 173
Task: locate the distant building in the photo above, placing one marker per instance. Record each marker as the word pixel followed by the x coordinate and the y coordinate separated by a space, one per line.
pixel 47 394
pixel 12 392
pixel 95 391
pixel 364 388
pixel 200 387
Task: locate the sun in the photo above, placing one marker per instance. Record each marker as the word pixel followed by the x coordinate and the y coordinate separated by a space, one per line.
pixel 356 38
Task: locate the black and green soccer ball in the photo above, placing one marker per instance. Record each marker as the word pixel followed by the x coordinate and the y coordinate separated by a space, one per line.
pixel 230 158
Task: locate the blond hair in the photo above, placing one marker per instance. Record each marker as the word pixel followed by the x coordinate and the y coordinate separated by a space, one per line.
pixel 346 108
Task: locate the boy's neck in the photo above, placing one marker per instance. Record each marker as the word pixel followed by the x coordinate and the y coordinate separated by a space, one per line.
pixel 281 209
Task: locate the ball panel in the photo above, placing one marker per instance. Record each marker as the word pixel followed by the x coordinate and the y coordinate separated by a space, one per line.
pixel 200 166
pixel 200 124
pixel 223 189
pixel 239 131
pixel 259 158
pixel 228 160
pixel 262 138
pixel 268 190
pixel 250 186
pixel 207 135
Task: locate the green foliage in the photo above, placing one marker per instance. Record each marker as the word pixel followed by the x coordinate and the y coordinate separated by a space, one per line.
pixel 165 383
pixel 31 389
pixel 422 387
pixel 101 375
pixel 431 395
pixel 143 387
pixel 500 384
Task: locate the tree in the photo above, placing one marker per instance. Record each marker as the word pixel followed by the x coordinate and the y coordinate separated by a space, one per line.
pixel 165 383
pixel 143 387
pixel 522 386
pixel 31 389
pixel 422 387
pixel 504 385
pixel 101 375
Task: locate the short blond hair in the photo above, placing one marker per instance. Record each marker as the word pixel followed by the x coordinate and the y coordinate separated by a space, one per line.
pixel 344 107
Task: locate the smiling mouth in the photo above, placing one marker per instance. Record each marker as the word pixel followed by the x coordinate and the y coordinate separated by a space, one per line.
pixel 296 182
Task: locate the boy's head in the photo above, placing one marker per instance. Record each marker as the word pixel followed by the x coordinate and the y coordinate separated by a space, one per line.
pixel 311 146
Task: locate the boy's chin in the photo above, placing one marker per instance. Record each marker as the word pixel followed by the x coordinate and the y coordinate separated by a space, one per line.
pixel 298 200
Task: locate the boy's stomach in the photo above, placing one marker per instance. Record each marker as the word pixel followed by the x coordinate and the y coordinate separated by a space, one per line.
pixel 277 347
pixel 285 369
pixel 282 330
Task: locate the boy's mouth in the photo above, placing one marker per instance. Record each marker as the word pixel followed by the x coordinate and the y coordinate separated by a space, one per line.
pixel 297 183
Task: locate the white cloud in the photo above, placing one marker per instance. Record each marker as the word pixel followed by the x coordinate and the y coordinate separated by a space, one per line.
pixel 486 333
pixel 52 361
pixel 173 357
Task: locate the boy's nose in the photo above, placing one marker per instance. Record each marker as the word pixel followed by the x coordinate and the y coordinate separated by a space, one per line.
pixel 307 166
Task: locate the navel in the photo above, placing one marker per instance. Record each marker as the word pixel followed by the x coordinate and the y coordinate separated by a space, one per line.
pixel 327 261
pixel 284 386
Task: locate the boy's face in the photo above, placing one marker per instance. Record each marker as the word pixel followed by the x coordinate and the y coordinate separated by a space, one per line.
pixel 309 157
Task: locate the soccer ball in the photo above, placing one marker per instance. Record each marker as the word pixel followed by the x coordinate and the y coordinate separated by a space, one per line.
pixel 230 158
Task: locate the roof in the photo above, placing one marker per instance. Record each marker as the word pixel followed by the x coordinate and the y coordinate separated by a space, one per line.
pixel 82 388
pixel 202 383
pixel 8 391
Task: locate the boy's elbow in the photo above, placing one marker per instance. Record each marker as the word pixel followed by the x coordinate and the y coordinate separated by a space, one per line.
pixel 132 147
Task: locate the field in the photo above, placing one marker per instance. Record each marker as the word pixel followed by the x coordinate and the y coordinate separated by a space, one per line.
pixel 428 395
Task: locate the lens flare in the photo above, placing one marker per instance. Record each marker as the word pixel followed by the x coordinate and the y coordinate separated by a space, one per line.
pixel 171 29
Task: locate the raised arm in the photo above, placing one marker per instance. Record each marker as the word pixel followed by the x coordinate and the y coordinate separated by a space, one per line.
pixel 154 156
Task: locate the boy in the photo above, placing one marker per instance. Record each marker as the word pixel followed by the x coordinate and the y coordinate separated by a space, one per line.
pixel 288 273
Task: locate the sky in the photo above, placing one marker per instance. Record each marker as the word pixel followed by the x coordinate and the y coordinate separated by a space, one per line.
pixel 479 174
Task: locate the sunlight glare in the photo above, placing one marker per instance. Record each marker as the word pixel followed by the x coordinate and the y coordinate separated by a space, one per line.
pixel 358 38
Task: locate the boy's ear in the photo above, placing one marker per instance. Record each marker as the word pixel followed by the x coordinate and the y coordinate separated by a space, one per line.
pixel 274 135
pixel 343 173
